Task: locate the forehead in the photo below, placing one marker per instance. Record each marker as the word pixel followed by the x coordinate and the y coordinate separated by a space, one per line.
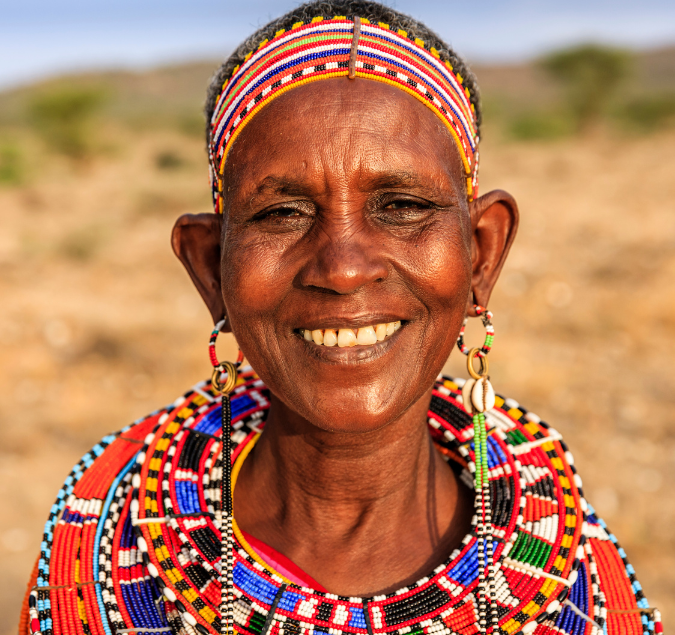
pixel 346 125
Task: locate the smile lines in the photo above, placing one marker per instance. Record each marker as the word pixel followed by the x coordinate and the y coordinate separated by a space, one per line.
pixel 344 338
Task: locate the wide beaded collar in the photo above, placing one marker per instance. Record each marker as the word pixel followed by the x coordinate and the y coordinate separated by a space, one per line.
pixel 143 508
pixel 537 519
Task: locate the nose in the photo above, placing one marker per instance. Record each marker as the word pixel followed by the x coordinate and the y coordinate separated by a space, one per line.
pixel 344 259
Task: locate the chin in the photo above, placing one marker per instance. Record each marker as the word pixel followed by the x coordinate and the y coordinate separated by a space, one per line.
pixel 352 419
pixel 355 409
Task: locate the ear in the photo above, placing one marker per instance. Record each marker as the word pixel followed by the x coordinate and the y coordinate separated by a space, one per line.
pixel 196 241
pixel 494 220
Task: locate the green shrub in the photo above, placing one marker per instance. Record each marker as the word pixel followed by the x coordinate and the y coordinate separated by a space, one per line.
pixel 590 75
pixel 192 124
pixel 11 165
pixel 540 126
pixel 649 113
pixel 63 117
pixel 169 160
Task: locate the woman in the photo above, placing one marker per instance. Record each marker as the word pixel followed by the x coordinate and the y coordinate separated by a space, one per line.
pixel 359 493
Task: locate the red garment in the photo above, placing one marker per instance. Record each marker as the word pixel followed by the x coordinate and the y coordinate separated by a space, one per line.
pixel 279 562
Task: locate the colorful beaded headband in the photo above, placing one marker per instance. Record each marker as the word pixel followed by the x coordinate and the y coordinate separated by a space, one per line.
pixel 339 47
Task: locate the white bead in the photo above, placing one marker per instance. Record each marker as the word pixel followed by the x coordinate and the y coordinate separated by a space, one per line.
pixel 189 618
pixel 466 394
pixel 483 395
pixel 142 545
pixel 152 570
pixel 553 606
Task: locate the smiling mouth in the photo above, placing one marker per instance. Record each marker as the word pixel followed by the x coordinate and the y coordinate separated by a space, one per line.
pixel 346 338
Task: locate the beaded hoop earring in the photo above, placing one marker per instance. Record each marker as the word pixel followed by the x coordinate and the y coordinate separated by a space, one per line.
pixel 478 397
pixel 224 388
pixel 220 368
pixel 486 318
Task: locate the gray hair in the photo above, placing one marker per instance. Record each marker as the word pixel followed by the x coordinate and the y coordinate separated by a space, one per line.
pixel 373 11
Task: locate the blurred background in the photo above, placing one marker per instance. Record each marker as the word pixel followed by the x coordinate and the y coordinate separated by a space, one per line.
pixel 101 149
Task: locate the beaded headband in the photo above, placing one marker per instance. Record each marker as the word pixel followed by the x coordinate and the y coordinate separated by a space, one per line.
pixel 341 47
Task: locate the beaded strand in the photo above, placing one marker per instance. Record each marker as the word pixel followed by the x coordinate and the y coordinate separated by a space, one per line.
pixel 227 533
pixel 227 544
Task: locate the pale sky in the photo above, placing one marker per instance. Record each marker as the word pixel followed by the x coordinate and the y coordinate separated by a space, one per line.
pixel 43 37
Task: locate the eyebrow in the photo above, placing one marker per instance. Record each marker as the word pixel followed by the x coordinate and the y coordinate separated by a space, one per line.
pixel 290 186
pixel 394 179
pixel 280 185
pixel 402 179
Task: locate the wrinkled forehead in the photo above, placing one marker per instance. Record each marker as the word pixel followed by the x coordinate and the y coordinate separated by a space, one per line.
pixel 359 132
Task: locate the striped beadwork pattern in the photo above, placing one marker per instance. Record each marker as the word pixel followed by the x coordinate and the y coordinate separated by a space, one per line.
pixel 486 318
pixel 132 543
pixel 319 50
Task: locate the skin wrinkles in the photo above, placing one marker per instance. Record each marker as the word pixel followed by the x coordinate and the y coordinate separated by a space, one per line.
pixel 345 206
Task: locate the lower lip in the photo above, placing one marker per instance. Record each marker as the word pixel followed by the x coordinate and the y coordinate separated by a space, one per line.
pixel 351 354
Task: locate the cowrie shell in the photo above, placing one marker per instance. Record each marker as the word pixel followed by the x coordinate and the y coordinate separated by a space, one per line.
pixel 466 394
pixel 482 395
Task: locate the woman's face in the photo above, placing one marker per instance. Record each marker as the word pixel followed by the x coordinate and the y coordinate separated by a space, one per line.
pixel 345 208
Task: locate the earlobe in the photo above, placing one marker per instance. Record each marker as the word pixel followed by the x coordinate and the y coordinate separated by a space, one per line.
pixel 196 242
pixel 494 220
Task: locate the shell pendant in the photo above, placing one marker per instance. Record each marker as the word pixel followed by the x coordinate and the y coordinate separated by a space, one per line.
pixel 478 395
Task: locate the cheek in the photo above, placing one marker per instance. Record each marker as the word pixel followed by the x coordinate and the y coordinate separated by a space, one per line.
pixel 441 266
pixel 254 278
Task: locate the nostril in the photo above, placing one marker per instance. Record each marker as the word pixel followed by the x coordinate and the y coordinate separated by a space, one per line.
pixel 318 289
pixel 343 267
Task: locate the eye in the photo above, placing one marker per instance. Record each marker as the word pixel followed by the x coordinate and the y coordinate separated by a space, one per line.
pixel 284 217
pixel 400 210
pixel 283 212
pixel 406 204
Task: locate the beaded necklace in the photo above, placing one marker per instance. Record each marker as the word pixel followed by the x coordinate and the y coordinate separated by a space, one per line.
pixel 137 547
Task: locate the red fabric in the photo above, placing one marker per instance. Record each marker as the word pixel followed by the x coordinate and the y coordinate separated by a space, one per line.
pixel 282 564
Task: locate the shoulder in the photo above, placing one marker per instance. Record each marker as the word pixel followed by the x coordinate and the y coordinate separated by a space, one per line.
pixel 85 523
pixel 108 458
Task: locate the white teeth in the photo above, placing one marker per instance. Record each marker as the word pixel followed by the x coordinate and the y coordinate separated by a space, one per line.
pixel 345 338
pixel 366 336
pixel 381 332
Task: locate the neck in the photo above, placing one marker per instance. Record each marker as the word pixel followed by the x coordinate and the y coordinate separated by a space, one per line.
pixel 360 513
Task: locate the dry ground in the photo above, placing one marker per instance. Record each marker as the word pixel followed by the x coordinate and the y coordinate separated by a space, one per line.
pixel 99 324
